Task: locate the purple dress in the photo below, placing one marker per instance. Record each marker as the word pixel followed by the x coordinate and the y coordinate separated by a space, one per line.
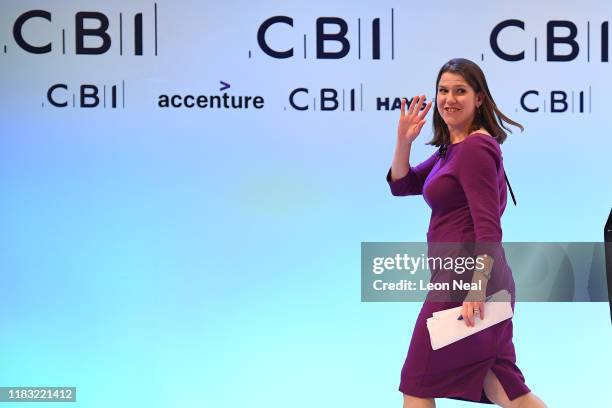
pixel 466 192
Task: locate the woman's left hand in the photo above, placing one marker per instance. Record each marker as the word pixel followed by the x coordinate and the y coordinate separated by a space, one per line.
pixel 474 304
pixel 470 310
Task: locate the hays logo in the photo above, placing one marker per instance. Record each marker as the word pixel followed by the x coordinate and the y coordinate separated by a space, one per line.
pixel 331 39
pixel 91 32
pixel 565 41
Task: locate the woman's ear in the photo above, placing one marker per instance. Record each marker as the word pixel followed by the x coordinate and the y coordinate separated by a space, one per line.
pixel 479 99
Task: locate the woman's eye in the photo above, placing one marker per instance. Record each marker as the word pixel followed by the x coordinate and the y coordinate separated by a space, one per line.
pixel 441 90
pixel 460 90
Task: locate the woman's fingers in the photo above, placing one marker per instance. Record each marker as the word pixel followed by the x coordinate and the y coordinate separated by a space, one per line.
pixel 412 105
pixel 470 310
pixel 411 118
pixel 415 106
pixel 418 104
pixel 420 125
pixel 470 315
pixel 425 110
pixel 464 314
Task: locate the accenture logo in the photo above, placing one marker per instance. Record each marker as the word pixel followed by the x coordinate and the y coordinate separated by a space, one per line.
pixel 201 101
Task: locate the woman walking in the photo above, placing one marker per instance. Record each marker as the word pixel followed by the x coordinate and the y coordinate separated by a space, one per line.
pixel 464 184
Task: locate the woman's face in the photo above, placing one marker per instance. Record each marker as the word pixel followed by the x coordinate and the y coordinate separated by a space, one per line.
pixel 457 101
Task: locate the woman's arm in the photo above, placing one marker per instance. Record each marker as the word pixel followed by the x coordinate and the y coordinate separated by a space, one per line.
pixel 479 177
pixel 410 124
pixel 412 182
pixel 401 160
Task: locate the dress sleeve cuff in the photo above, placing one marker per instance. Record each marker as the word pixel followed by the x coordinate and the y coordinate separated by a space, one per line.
pixel 492 249
pixel 407 185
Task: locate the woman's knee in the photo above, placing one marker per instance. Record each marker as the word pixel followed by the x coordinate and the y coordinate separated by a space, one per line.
pixel 529 400
pixel 494 390
pixel 496 393
pixel 416 402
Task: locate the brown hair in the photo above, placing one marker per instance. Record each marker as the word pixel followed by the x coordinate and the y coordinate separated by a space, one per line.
pixel 488 116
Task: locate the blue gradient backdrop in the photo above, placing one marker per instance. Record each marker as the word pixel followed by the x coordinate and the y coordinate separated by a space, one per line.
pixel 180 258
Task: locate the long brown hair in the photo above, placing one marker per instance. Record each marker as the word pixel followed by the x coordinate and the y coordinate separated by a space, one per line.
pixel 487 116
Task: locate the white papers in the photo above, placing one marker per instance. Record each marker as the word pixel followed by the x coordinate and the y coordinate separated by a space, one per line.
pixel 444 328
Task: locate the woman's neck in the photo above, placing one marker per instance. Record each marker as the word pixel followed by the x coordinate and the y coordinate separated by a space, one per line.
pixel 458 134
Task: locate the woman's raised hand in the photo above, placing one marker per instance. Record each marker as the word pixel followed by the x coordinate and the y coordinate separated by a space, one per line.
pixel 411 122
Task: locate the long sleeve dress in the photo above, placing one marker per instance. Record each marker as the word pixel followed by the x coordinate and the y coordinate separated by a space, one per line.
pixel 465 189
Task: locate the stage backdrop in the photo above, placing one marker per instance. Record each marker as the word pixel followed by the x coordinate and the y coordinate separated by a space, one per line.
pixel 185 187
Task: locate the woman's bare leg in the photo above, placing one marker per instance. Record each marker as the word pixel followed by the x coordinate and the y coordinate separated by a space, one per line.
pixel 496 393
pixel 415 402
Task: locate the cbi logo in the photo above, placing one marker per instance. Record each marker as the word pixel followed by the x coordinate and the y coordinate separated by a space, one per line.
pixel 562 44
pixel 331 39
pixel 105 96
pixel 559 101
pixel 329 99
pixel 94 32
